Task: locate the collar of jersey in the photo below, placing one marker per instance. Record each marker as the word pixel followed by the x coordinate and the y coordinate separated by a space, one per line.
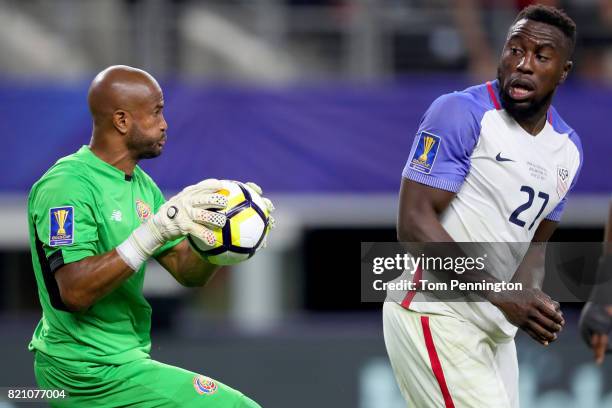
pixel 496 94
pixel 496 89
pixel 96 162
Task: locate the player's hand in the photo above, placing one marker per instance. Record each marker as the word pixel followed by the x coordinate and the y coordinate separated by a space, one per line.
pixel 189 212
pixel 595 325
pixel 533 311
pixel 269 206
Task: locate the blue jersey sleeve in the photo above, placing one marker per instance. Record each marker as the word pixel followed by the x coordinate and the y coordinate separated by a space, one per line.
pixel 555 215
pixel 447 135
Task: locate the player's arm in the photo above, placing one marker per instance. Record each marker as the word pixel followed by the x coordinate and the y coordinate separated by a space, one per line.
pixel 438 163
pixel 596 317
pixel 418 222
pixel 84 282
pixel 419 209
pixel 532 310
pixel 531 270
pixel 188 268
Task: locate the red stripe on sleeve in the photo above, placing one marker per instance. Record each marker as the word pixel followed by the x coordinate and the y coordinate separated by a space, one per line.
pixel 493 96
pixel 435 363
pixel 418 274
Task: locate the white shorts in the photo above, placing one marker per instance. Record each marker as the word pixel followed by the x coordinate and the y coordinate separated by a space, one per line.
pixel 442 361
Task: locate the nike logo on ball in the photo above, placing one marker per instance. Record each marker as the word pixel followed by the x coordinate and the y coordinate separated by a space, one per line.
pixel 502 159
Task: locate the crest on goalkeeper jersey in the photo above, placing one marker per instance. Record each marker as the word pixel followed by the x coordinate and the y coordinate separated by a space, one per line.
pixel 425 153
pixel 143 210
pixel 204 385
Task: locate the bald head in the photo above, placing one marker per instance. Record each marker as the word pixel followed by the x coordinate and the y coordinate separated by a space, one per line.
pixel 120 87
pixel 126 105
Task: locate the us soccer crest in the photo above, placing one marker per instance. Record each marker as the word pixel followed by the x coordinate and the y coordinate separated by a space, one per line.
pixel 425 152
pixel 562 180
pixel 143 210
pixel 61 226
pixel 204 385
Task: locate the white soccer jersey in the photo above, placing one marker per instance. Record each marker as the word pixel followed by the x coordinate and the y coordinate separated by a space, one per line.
pixel 506 180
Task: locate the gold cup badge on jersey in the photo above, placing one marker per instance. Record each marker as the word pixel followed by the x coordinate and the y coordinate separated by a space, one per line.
pixel 428 143
pixel 425 153
pixel 61 226
pixel 60 217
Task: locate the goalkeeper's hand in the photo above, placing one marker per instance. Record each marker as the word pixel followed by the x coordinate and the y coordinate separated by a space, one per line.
pixel 269 206
pixel 188 212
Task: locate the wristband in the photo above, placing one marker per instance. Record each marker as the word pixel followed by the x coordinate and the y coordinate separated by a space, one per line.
pixel 140 245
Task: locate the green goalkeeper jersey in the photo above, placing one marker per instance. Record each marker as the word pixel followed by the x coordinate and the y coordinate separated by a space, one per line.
pixel 83 206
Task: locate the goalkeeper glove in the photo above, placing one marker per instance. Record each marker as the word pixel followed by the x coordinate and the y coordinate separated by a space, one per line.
pixel 188 212
pixel 269 206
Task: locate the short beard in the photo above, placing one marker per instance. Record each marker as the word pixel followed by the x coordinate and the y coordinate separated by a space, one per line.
pixel 529 112
pixel 141 146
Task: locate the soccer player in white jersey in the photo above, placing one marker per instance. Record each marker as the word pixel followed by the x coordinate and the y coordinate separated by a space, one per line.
pixel 492 163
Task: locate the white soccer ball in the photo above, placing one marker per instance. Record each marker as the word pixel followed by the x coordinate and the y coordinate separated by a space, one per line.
pixel 248 223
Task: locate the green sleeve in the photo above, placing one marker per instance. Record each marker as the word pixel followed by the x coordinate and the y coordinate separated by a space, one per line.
pixel 159 200
pixel 63 212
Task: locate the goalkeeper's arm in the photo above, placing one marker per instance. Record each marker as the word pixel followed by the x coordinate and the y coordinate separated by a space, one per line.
pixel 83 283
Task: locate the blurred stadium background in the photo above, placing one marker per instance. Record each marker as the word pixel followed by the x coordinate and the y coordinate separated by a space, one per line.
pixel 318 102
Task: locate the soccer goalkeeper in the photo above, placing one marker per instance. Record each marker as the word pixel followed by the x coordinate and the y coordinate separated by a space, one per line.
pixel 95 217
